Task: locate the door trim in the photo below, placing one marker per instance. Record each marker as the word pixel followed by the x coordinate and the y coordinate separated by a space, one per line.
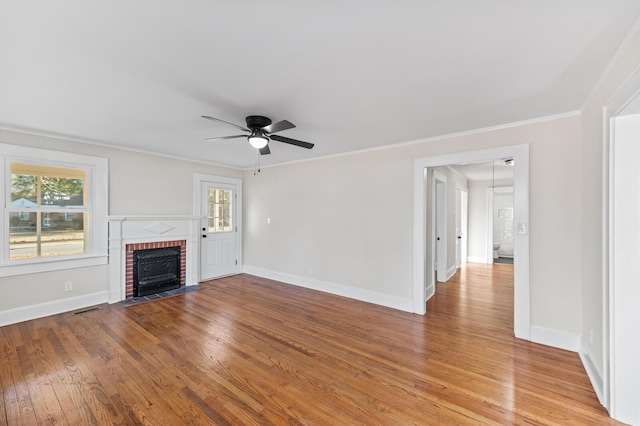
pixel 198 180
pixel 520 154
pixel 629 92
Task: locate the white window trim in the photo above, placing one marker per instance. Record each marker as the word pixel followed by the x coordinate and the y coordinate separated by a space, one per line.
pixel 98 190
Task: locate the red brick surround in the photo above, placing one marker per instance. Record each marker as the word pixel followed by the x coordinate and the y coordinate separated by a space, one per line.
pixel 143 246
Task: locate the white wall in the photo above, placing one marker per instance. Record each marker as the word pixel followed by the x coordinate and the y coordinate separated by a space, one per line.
pixel 593 177
pixel 138 184
pixel 347 220
pixel 478 220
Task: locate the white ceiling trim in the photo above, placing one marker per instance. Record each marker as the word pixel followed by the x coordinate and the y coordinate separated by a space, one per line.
pixel 433 139
pixel 635 30
pixel 107 145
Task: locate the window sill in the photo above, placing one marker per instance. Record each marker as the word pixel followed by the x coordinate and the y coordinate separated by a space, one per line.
pixel 53 265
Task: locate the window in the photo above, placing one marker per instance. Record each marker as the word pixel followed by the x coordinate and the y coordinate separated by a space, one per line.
pixel 219 210
pixel 54 210
pixel 53 196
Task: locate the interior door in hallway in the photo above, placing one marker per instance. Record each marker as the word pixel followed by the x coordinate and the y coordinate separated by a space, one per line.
pixel 462 197
pixel 441 229
pixel 219 230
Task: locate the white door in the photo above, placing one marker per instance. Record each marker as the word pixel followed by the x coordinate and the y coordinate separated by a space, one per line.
pixel 464 214
pixel 458 220
pixel 441 231
pixel 218 230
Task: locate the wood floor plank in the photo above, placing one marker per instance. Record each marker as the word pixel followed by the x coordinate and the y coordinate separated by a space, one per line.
pixel 247 350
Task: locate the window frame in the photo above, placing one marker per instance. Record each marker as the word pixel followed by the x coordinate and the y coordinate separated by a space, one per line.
pixel 97 208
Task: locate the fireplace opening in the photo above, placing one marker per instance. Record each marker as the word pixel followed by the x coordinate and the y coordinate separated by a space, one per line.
pixel 156 270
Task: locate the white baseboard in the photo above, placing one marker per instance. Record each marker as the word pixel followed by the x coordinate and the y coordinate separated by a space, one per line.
pixel 430 291
pixel 556 338
pixel 595 375
pixel 114 296
pixel 40 310
pixel 395 302
pixel 474 259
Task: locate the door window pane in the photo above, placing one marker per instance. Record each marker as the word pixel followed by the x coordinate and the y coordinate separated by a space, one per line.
pixel 219 216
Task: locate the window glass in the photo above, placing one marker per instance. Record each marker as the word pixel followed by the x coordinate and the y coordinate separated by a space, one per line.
pixel 22 237
pixel 23 188
pixel 220 208
pixel 61 237
pixel 62 192
pixel 47 217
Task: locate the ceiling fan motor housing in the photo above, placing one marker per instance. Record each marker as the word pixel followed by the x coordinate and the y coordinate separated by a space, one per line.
pixel 257 121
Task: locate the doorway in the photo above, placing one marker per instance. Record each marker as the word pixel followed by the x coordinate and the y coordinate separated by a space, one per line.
pixel 218 203
pixel 423 264
pixel 500 225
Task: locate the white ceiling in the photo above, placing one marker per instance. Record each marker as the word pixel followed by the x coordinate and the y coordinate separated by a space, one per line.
pixel 351 75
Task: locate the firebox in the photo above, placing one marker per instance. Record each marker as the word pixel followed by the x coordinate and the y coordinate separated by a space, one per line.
pixel 156 270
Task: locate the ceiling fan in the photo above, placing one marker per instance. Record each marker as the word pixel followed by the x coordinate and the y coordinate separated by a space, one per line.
pixel 261 131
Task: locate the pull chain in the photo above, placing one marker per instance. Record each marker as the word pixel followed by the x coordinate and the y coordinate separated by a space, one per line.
pixel 256 169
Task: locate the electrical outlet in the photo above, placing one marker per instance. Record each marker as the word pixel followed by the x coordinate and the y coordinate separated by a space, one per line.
pixel 68 286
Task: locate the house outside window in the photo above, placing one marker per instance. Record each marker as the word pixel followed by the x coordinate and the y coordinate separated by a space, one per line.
pixel 54 212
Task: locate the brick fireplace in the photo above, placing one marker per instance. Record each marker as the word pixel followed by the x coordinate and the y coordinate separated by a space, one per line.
pixel 131 233
pixel 131 248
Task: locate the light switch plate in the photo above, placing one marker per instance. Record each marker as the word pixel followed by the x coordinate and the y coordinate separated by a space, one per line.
pixel 522 229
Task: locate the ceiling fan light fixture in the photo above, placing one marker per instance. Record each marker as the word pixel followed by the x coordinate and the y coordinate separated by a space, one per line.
pixel 258 140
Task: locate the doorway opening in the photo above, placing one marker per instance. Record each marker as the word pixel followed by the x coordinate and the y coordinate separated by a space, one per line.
pixel 423 252
pixel 500 222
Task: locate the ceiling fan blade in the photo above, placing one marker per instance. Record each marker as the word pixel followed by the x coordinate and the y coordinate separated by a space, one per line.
pixel 225 137
pixel 265 150
pixel 226 122
pixel 291 141
pixel 279 126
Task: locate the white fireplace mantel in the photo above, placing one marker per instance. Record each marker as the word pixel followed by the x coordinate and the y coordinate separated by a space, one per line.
pixel 135 229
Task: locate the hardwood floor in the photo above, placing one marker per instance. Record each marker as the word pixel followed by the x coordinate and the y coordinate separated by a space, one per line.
pixel 246 350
